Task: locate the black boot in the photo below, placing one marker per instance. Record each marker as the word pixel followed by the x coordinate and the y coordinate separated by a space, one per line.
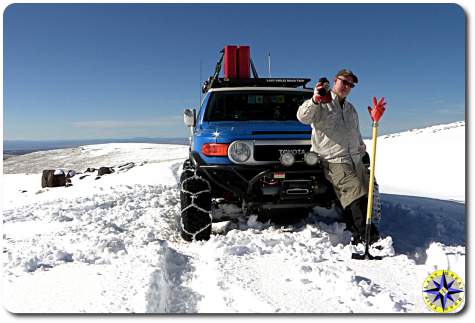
pixel 374 234
pixel 358 218
pixel 358 209
pixel 348 220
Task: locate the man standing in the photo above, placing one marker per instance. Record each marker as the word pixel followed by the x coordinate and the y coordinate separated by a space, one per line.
pixel 337 139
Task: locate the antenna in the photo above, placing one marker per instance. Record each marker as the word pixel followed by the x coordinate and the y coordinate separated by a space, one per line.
pixel 269 65
pixel 199 103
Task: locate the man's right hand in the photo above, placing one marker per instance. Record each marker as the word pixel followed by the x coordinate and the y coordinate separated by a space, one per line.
pixel 322 93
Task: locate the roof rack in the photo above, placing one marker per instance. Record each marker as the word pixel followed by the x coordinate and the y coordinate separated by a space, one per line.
pixel 216 82
pixel 251 82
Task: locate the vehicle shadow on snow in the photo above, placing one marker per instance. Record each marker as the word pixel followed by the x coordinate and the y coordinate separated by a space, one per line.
pixel 415 222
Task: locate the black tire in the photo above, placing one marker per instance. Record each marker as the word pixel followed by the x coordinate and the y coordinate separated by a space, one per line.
pixel 192 218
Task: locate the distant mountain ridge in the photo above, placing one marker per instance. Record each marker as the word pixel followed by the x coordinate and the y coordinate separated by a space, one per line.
pixel 21 147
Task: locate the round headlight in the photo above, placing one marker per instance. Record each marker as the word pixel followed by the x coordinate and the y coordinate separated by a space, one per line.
pixel 310 158
pixel 239 152
pixel 287 159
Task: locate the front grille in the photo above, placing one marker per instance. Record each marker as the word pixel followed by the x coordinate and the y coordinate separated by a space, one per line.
pixel 273 152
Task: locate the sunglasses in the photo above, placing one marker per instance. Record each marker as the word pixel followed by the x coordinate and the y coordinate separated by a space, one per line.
pixel 346 83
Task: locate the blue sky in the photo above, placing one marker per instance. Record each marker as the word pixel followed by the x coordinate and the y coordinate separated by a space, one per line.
pixel 93 71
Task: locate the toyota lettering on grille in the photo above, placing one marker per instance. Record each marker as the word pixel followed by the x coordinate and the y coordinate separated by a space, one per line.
pixel 292 151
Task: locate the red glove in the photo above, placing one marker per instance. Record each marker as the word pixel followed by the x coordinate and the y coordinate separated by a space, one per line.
pixel 378 109
pixel 322 93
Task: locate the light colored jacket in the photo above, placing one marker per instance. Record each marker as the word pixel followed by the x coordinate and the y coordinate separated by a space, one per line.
pixel 336 133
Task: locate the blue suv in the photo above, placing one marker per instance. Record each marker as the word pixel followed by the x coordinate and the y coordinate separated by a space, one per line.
pixel 247 148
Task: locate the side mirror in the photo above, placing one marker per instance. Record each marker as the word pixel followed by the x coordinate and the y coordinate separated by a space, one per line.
pixel 189 117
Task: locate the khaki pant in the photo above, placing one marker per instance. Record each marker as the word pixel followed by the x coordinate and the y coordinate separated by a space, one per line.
pixel 350 181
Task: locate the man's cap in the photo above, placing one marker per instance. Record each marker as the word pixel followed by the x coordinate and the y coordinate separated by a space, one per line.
pixel 346 72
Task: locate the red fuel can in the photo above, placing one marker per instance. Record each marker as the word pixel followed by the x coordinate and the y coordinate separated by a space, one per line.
pixel 230 62
pixel 243 57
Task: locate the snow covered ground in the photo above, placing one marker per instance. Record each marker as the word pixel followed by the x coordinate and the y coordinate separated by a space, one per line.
pixel 432 161
pixel 110 245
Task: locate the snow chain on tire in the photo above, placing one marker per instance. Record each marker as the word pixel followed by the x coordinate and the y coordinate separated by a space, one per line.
pixel 194 196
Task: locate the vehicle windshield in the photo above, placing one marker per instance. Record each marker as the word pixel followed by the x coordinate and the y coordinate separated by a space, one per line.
pixel 255 105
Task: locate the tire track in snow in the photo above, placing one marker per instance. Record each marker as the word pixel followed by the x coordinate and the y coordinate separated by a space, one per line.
pixel 220 293
pixel 167 291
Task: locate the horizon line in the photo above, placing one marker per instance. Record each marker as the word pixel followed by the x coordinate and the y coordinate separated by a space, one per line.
pixel 186 137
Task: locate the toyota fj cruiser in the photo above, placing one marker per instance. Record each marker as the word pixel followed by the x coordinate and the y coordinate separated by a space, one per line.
pixel 247 148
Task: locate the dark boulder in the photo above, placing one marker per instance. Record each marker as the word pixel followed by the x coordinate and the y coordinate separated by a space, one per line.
pixel 105 170
pixel 52 178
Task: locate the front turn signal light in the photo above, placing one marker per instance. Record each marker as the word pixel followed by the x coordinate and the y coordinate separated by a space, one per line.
pixel 215 150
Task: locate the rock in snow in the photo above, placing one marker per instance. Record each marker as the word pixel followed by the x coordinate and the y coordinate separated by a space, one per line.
pixel 111 246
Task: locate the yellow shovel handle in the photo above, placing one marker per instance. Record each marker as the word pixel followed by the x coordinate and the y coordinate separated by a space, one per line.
pixel 371 175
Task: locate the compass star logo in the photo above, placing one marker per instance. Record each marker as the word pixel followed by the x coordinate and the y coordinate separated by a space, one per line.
pixel 443 291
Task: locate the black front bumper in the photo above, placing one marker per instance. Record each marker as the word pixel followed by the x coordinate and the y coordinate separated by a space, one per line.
pixel 300 186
